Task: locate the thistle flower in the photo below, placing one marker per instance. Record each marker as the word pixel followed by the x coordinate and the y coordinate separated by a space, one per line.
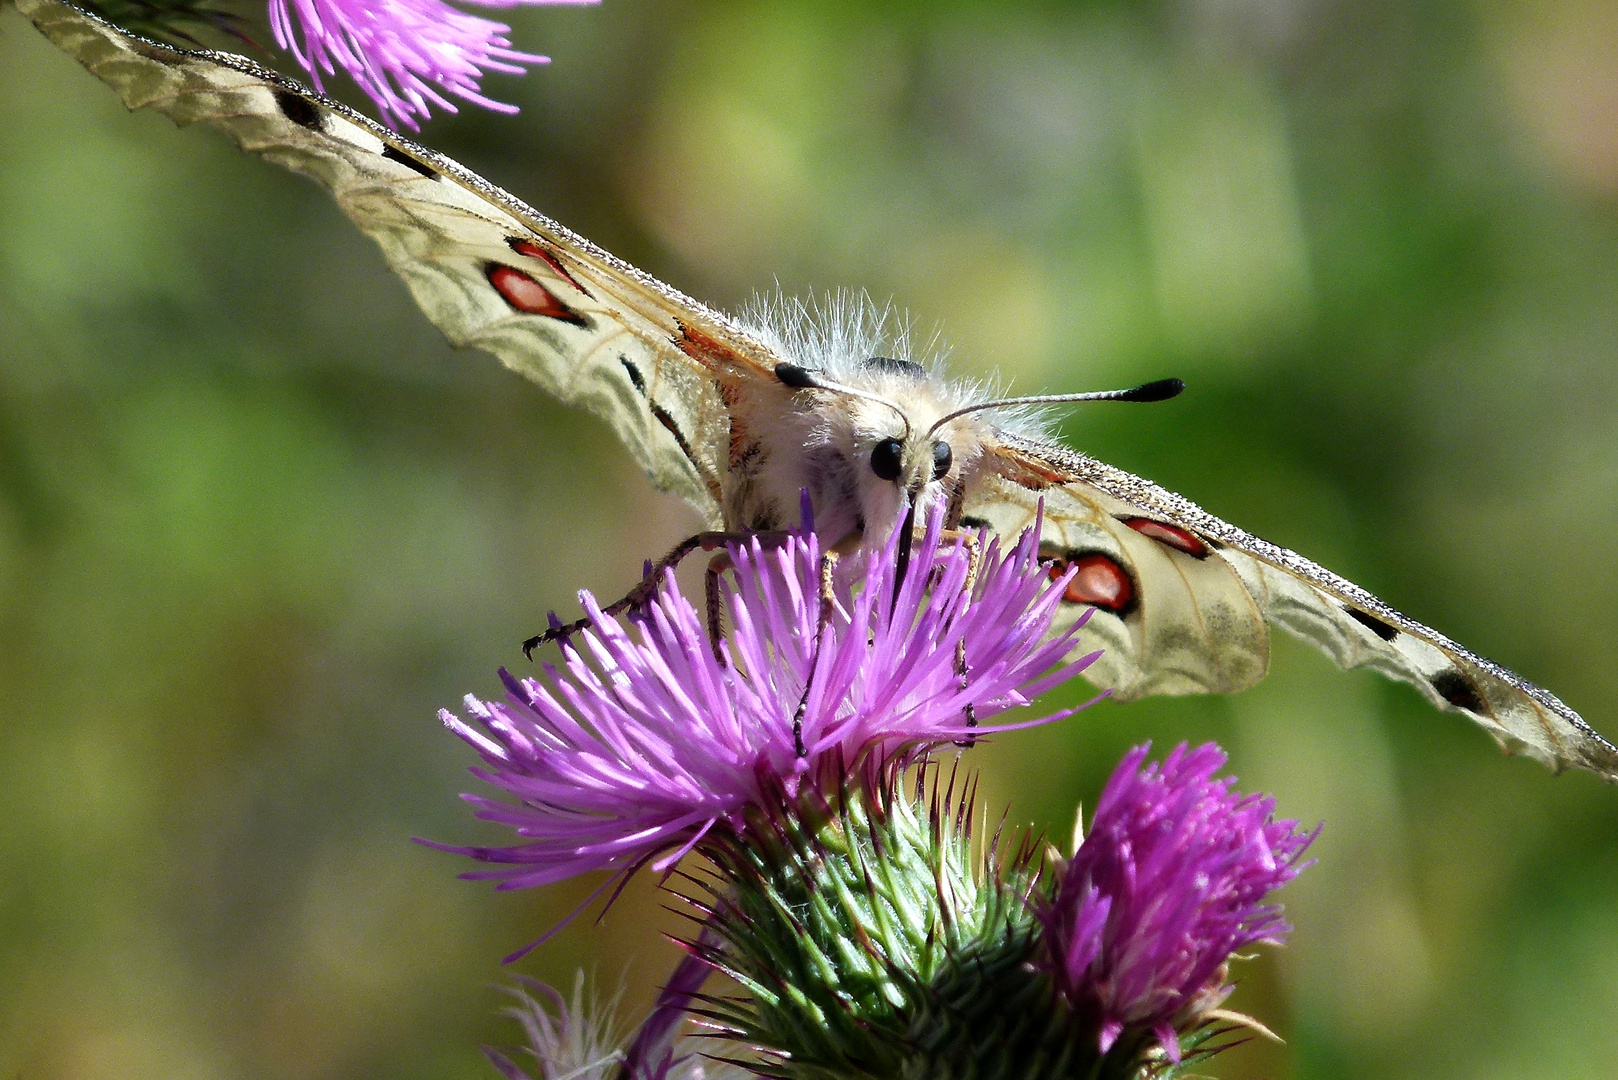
pixel 405 54
pixel 641 745
pixel 1169 882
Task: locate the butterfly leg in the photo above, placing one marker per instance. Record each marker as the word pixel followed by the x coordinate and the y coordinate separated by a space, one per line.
pixel 716 611
pixel 974 563
pixel 828 601
pixel 640 594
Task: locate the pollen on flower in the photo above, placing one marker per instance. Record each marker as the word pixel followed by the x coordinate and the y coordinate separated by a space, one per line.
pixel 642 742
pixel 1169 883
pixel 405 54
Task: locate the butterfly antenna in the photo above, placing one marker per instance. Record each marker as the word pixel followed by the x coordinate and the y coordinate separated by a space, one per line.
pixel 1160 390
pixel 803 379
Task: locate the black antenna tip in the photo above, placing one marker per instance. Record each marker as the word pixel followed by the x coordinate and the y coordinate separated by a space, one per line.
pixel 794 376
pixel 1161 390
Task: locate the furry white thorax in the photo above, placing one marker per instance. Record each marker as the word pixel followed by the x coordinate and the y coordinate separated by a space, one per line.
pixel 822 441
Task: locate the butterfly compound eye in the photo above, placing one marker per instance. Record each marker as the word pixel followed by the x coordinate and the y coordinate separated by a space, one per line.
pixel 943 457
pixel 885 459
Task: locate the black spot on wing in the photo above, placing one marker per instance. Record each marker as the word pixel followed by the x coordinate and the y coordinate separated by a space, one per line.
pixel 393 153
pixel 895 366
pixel 672 426
pixel 301 111
pixel 668 422
pixel 635 376
pixel 970 522
pixel 1455 688
pixel 1375 625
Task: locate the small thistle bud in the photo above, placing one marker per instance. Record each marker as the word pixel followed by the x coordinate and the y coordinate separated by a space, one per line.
pixel 1169 883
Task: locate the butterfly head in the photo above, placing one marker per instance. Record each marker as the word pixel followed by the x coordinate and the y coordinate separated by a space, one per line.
pixel 873 447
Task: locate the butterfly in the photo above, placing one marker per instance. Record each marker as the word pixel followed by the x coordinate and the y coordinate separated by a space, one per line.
pixel 738 415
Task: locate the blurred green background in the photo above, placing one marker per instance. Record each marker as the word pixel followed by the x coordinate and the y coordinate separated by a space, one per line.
pixel 258 522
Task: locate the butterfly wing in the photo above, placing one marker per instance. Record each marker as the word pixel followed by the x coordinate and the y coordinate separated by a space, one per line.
pixel 1182 601
pixel 487 269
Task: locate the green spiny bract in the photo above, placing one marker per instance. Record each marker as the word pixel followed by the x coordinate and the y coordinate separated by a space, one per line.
pixel 874 939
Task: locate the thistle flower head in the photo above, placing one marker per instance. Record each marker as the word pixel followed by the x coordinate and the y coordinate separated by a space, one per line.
pixel 1169 882
pixel 405 54
pixel 643 741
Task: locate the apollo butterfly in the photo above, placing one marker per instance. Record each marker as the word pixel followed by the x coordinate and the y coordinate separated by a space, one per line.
pixel 739 415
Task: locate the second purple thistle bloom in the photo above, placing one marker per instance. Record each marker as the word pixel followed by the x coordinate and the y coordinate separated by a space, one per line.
pixel 1170 882
pixel 642 743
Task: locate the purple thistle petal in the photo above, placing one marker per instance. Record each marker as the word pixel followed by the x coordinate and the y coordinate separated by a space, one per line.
pixel 652 1049
pixel 641 745
pixel 405 54
pixel 1169 883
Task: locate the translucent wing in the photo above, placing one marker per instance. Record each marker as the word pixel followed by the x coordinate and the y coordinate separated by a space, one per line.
pixel 1182 601
pixel 488 270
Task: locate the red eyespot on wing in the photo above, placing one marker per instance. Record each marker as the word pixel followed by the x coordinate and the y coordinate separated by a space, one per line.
pixel 523 246
pixel 528 296
pixel 1172 535
pixel 1099 582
